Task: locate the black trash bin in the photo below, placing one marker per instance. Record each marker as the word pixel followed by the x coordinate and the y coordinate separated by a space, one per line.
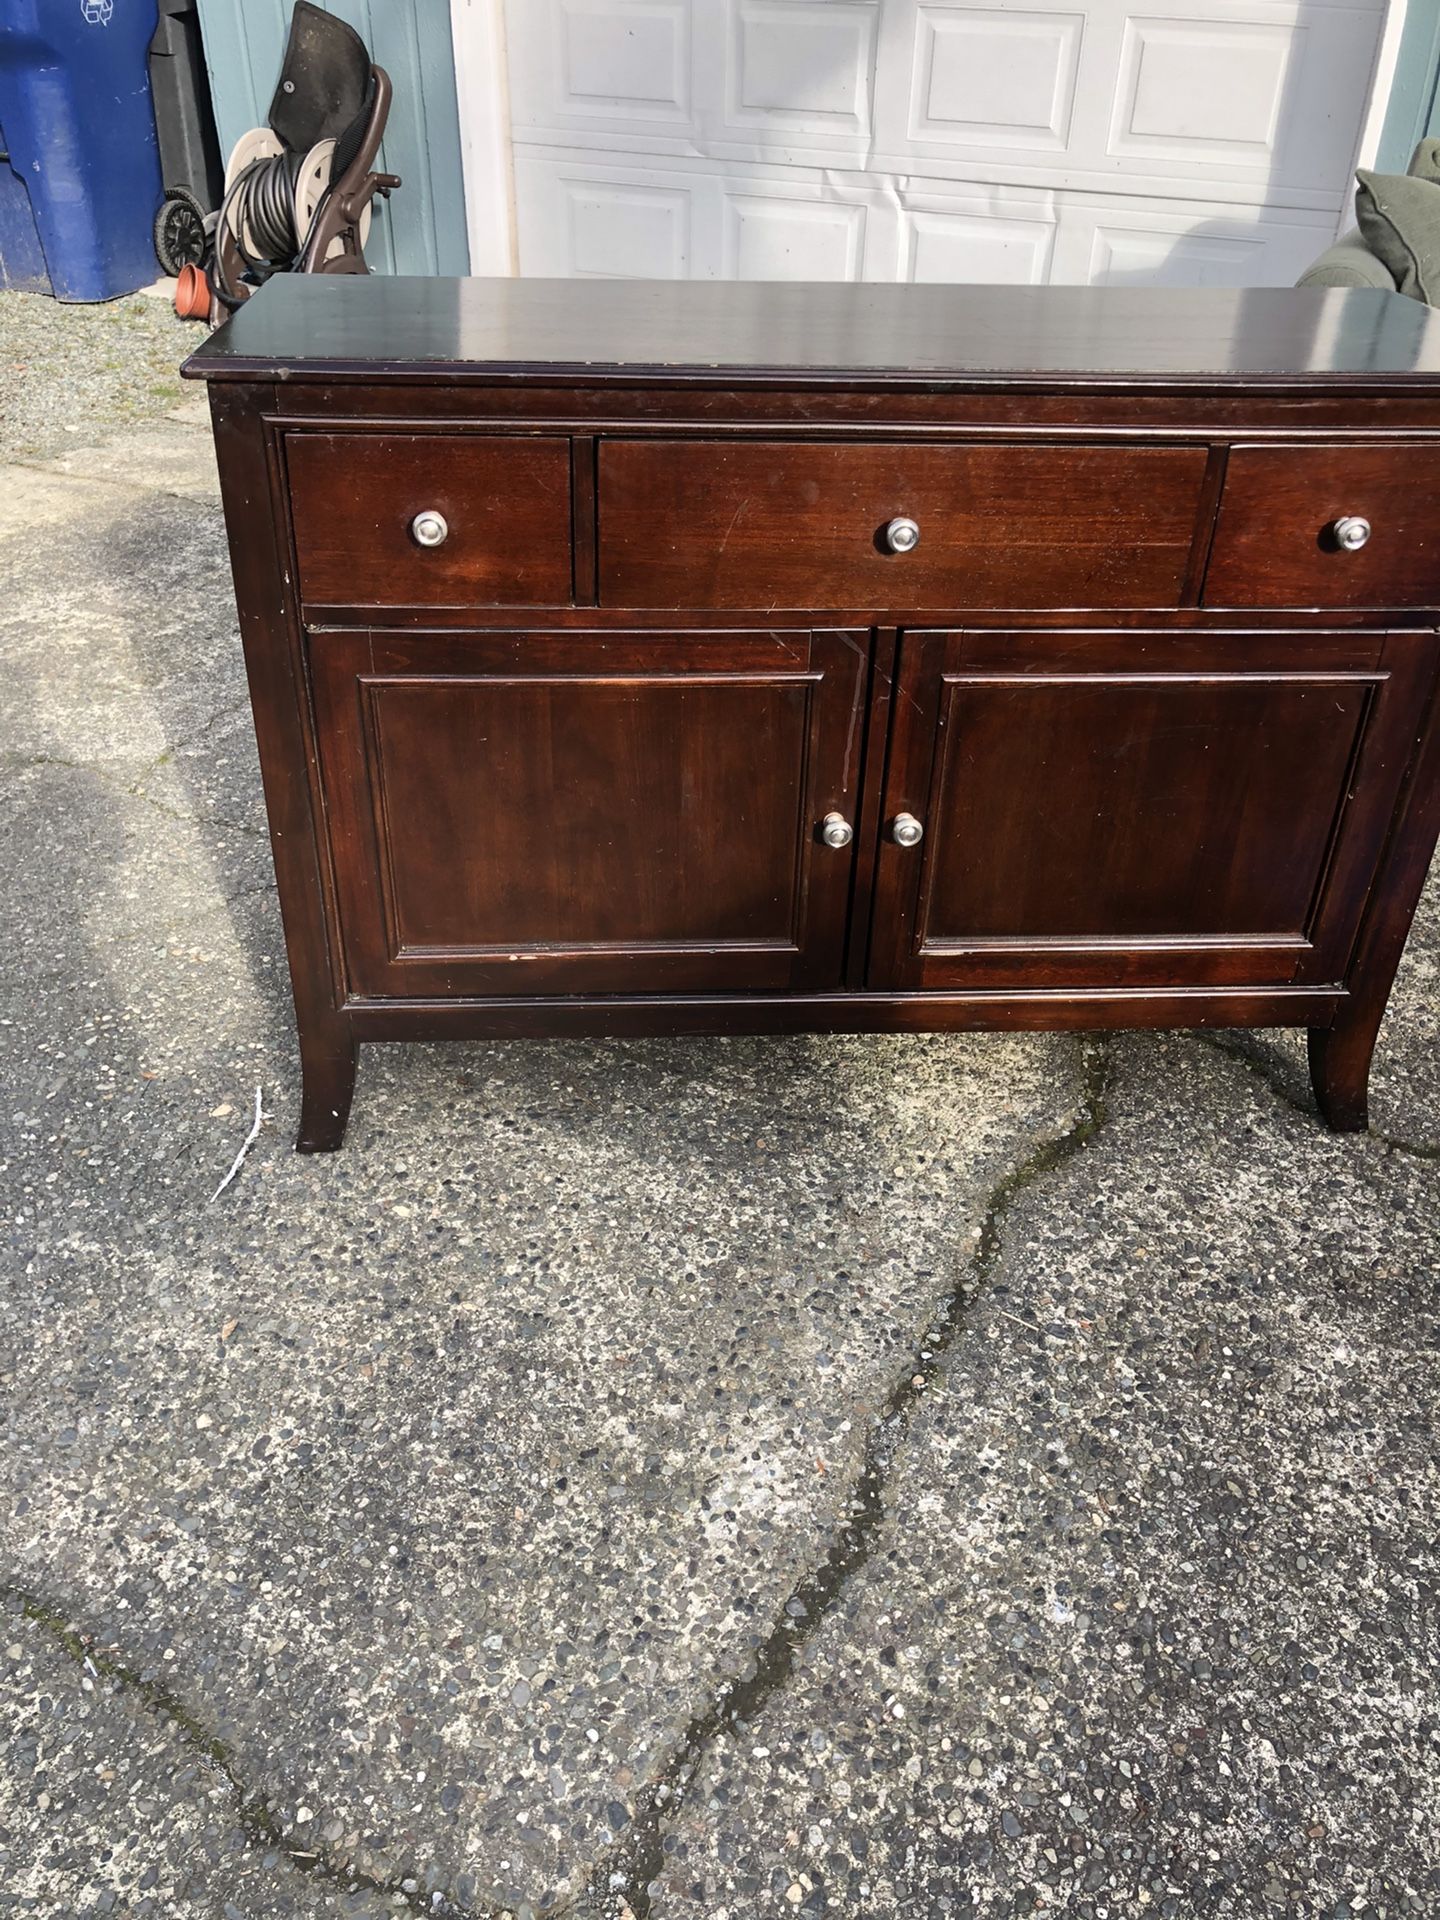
pixel 190 163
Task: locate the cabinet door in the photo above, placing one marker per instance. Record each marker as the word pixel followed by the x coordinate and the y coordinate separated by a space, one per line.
pixel 1139 809
pixel 588 812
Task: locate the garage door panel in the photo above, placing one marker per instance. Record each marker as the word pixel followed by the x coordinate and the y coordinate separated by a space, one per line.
pixel 758 76
pixel 1178 142
pixel 1260 91
pixel 616 67
pixel 576 218
pixel 798 72
pixel 963 238
pixel 985 76
pixel 1265 95
pixel 1162 244
pixel 591 215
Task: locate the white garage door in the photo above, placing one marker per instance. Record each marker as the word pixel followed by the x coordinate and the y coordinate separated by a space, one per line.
pixel 1180 142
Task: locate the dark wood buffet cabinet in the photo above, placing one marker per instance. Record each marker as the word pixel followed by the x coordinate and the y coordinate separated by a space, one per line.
pixel 678 657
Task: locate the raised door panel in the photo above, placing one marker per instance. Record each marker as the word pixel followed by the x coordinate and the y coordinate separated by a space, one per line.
pixel 588 812
pixel 1143 809
pixel 800 524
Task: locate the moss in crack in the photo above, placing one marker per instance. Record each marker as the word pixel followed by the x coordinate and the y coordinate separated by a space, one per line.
pixel 1416 1149
pixel 637 1862
pixel 254 1814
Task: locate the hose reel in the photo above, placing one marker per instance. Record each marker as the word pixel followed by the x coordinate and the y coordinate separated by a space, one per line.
pixel 299 192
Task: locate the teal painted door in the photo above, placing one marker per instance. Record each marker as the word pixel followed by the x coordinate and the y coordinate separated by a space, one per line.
pixel 1414 109
pixel 422 230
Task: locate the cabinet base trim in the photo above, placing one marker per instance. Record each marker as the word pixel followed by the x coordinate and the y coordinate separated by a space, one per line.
pixel 647 1016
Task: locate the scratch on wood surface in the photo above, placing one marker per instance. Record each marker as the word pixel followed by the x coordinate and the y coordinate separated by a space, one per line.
pixel 734 522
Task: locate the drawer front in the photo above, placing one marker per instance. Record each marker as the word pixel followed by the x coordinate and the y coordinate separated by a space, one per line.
pixel 1278 544
pixel 787 524
pixel 505 507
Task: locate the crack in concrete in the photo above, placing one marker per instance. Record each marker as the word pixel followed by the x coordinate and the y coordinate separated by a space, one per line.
pixel 248 893
pixel 241 705
pixel 48 466
pixel 631 1868
pixel 23 762
pixel 19 763
pixel 254 1812
pixel 1260 1070
pixel 637 1862
pixel 195 819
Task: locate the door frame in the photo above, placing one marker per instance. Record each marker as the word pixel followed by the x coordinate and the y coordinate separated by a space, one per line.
pixel 1412 108
pixel 482 90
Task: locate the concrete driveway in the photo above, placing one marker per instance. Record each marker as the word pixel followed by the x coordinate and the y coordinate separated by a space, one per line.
pixel 951 1476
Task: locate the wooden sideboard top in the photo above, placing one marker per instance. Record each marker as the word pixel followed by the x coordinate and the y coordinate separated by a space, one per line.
pixel 345 327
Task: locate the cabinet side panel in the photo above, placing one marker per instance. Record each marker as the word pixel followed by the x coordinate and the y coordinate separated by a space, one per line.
pixel 254 519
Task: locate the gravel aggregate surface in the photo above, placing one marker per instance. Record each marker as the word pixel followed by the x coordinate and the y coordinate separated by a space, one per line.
pixel 71 374
pixel 976 1475
pixel 1150 1622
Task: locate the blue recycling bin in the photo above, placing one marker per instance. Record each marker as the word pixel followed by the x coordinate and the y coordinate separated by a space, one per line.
pixel 80 177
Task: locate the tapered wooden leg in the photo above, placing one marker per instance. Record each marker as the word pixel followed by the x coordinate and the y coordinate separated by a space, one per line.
pixel 1340 1073
pixel 327 1089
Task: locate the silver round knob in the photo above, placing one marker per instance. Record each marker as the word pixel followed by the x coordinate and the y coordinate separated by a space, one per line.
pixel 1351 532
pixel 902 535
pixel 836 830
pixel 906 830
pixel 429 528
